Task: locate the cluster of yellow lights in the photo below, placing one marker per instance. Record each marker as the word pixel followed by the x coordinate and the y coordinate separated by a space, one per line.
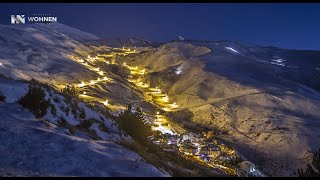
pixel 82 84
pixel 163 98
pixel 135 70
pixel 154 91
pixel 160 120
pixel 90 58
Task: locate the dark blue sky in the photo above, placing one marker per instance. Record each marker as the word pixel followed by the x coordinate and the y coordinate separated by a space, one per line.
pixel 293 26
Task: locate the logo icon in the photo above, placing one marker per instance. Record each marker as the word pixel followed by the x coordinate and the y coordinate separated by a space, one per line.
pixel 18 19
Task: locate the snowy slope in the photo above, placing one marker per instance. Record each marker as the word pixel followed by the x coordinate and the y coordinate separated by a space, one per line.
pixel 40 51
pixel 28 147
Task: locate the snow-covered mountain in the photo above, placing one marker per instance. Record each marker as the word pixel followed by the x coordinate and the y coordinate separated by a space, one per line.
pixel 267 99
pixel 47 146
pixel 40 51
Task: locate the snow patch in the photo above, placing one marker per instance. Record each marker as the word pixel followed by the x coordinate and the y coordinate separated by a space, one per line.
pixel 233 50
pixel 278 98
pixel 278 61
pixel 13 90
pixel 279 64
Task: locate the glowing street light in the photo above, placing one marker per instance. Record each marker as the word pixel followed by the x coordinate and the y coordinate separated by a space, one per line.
pixel 82 84
pixel 108 62
pixel 101 72
pixel 97 69
pixel 174 105
pixel 98 79
pixel 158 113
pixel 92 82
pixel 84 93
pixel 105 78
pixel 124 64
pixel 166 109
pixel 106 103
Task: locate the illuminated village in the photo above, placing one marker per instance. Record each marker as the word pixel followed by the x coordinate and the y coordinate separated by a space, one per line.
pixel 203 149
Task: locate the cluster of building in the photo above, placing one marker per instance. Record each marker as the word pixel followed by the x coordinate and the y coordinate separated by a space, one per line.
pixel 209 151
pixel 193 144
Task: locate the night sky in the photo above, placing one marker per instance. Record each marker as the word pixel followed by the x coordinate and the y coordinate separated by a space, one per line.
pixel 292 26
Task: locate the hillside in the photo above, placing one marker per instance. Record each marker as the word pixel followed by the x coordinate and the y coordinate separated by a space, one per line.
pixel 261 101
pixel 266 99
pixel 47 146
pixel 30 147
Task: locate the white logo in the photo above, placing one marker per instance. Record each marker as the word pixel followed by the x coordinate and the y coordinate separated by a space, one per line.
pixel 17 19
pixel 37 18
